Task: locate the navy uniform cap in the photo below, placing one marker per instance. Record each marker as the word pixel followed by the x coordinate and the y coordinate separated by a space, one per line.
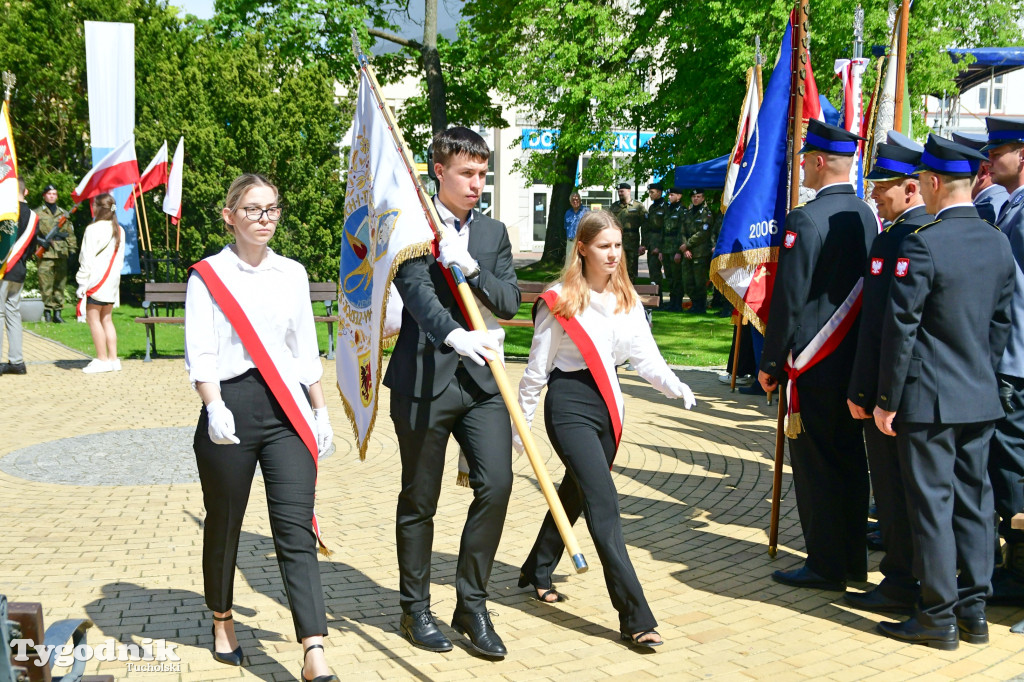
pixel 946 157
pixel 1002 131
pixel 822 137
pixel 49 187
pixel 624 185
pixel 976 141
pixel 676 189
pixel 893 162
pixel 656 185
pixel 696 190
pixel 900 140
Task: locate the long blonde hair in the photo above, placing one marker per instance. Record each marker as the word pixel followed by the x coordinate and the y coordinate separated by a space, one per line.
pixel 575 296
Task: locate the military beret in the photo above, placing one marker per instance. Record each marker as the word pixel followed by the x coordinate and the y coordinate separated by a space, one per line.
pixel 946 157
pixel 656 185
pixel 893 162
pixel 677 190
pixel 822 137
pixel 1003 131
pixel 49 187
pixel 624 185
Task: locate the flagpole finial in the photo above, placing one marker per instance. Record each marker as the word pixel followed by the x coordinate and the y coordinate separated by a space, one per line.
pixel 9 81
pixel 758 57
pixel 357 48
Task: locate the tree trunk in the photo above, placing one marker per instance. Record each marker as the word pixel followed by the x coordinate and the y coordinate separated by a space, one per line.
pixel 554 236
pixel 436 94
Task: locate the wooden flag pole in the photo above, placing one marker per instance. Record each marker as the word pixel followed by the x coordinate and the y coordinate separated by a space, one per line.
pixel 565 530
pixel 138 199
pixel 177 236
pixel 901 67
pixel 145 217
pixel 735 355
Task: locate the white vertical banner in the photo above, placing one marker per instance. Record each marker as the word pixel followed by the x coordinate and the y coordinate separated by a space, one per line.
pixel 110 70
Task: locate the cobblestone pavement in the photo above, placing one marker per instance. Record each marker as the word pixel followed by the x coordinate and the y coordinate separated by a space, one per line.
pixel 694 490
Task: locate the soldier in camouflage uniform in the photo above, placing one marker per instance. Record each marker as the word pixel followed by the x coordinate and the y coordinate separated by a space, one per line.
pixel 699 229
pixel 652 233
pixel 631 215
pixel 53 266
pixel 671 257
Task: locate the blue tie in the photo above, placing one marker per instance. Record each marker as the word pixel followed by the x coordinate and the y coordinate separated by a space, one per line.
pixel 458 227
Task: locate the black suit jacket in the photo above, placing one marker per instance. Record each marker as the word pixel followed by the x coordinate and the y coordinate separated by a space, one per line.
pixel 422 364
pixel 947 322
pixel 877 278
pixel 830 237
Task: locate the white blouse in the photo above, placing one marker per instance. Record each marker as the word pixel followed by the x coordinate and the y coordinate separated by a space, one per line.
pixel 275 298
pixel 94 257
pixel 618 337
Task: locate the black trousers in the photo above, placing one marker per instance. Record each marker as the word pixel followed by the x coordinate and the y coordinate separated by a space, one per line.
pixel 830 474
pixel 897 566
pixel 289 475
pixel 949 502
pixel 1006 463
pixel 480 423
pixel 580 430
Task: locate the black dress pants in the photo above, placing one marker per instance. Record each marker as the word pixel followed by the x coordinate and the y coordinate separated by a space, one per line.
pixel 289 475
pixel 830 475
pixel 580 430
pixel 897 566
pixel 1006 463
pixel 949 502
pixel 480 423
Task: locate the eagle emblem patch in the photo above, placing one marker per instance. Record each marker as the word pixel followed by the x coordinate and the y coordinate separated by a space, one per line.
pixel 876 266
pixel 902 267
pixel 790 239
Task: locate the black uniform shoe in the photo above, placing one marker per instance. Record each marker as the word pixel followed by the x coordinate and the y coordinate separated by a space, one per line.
pixel 973 630
pixel 875 601
pixel 13 368
pixel 480 631
pixel 47 316
pixel 805 577
pixel 421 630
pixel 57 318
pixel 874 540
pixel 912 632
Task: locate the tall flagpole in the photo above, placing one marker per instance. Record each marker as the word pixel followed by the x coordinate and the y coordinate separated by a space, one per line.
pixel 901 67
pixel 469 304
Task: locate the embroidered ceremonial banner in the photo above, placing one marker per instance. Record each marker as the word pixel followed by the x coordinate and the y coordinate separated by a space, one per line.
pixel 385 225
pixel 744 131
pixel 852 71
pixel 9 195
pixel 20 245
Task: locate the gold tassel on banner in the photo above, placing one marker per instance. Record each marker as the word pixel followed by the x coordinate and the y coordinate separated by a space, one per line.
pixel 794 425
pixel 463 478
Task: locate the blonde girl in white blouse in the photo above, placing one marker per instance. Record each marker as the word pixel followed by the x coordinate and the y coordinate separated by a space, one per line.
pixel 102 254
pixel 596 291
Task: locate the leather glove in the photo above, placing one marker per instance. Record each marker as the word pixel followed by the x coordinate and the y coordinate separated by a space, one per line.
pixel 478 346
pixel 220 423
pixel 1006 396
pixel 452 252
pixel 324 432
pixel 681 390
pixel 80 292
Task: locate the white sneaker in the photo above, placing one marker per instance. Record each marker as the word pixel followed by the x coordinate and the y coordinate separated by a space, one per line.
pixel 97 366
pixel 115 364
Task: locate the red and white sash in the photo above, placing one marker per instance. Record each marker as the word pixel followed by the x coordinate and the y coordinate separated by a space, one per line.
pixel 80 308
pixel 821 346
pixel 600 367
pixel 21 244
pixel 287 392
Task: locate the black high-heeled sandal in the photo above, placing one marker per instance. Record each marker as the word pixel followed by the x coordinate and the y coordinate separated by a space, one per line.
pixel 321 678
pixel 635 641
pixel 235 657
pixel 524 581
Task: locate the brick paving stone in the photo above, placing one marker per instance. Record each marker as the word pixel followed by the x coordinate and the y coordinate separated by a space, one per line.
pixel 103 520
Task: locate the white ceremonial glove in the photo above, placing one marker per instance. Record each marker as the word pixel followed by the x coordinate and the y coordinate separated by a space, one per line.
pixel 478 346
pixel 324 432
pixel 681 390
pixel 80 292
pixel 452 252
pixel 517 442
pixel 220 423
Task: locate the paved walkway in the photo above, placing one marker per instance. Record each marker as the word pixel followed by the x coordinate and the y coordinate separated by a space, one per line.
pixel 123 547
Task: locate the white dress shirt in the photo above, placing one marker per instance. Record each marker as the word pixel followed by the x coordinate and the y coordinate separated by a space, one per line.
pixel 94 257
pixel 618 337
pixel 275 297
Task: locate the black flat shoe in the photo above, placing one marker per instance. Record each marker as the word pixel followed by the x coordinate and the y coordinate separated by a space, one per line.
pixel 235 657
pixel 805 577
pixel 477 627
pixel 319 678
pixel 912 632
pixel 635 641
pixel 421 630
pixel 876 602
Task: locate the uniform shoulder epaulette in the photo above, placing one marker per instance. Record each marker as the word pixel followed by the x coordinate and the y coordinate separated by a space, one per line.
pixel 934 222
pixel 801 205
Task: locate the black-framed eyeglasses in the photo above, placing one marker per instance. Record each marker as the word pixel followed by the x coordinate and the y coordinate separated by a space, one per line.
pixel 256 213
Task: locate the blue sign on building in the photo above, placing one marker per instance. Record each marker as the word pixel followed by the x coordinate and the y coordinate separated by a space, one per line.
pixel 544 139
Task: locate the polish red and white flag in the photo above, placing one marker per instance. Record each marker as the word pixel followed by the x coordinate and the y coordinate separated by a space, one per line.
pixel 117 169
pixel 154 175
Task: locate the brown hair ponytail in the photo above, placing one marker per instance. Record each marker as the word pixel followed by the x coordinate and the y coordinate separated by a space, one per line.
pixel 105 209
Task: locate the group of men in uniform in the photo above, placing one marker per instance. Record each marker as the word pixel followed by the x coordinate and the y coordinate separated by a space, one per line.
pixel 911 340
pixel 678 241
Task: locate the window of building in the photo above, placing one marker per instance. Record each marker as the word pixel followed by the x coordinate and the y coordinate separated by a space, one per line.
pixel 983 97
pixel 540 215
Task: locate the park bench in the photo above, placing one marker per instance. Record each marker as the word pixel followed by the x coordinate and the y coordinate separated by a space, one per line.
pixel 167 297
pixel 648 293
pixel 24 620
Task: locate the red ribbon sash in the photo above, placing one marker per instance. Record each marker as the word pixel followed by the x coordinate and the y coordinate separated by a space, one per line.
pixel 80 308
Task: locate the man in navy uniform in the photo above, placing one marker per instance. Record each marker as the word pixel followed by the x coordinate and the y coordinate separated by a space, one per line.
pixel 1006 456
pixel 824 252
pixel 988 197
pixel 943 335
pixel 897 194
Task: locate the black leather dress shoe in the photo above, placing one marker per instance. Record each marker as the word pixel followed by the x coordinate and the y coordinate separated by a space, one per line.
pixel 480 631
pixel 805 577
pixel 875 601
pixel 421 630
pixel 973 630
pixel 912 632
